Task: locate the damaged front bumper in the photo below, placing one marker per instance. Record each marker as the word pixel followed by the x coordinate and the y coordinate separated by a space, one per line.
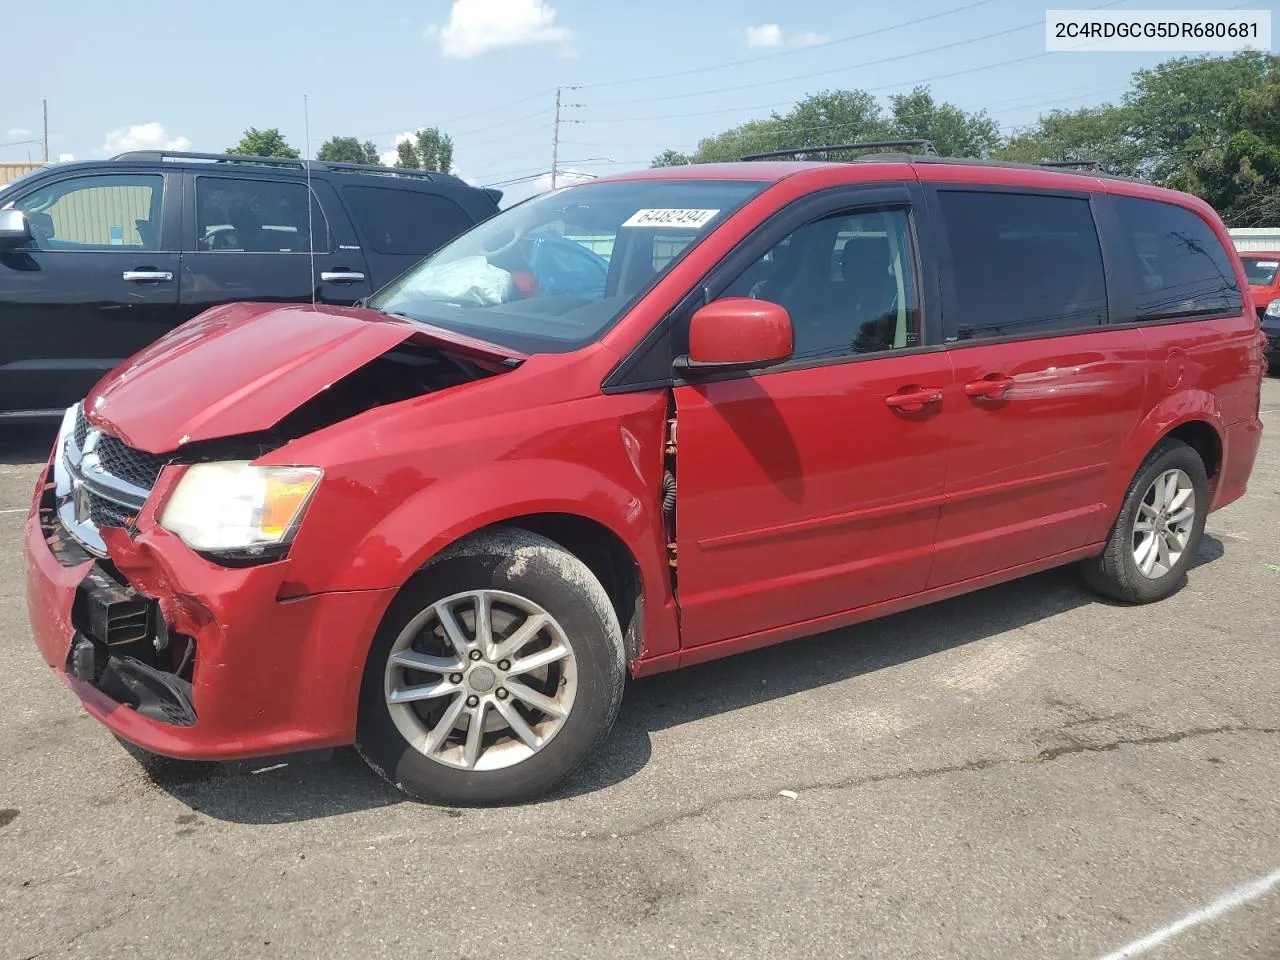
pixel 190 659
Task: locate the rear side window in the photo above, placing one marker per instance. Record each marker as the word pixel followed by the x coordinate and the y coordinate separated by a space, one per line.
pixel 256 216
pixel 405 221
pixel 1023 264
pixel 1174 262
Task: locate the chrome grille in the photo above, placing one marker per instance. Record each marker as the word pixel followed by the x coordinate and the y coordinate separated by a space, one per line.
pixel 99 481
pixel 138 467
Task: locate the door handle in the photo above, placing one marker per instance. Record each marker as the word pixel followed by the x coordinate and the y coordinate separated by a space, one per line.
pixel 149 276
pixel 913 399
pixel 991 387
pixel 341 276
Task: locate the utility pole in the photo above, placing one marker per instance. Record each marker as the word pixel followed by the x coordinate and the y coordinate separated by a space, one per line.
pixel 45 104
pixel 555 134
pixel 555 141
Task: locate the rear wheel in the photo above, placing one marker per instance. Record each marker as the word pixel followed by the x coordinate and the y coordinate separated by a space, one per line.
pixel 1159 528
pixel 496 671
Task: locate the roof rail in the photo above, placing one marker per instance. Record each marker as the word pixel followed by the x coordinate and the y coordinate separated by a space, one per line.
pixel 217 157
pixel 297 162
pixel 385 171
pixel 924 147
pixel 1091 165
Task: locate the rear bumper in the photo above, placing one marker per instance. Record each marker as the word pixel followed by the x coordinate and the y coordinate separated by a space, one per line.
pixel 1239 452
pixel 270 676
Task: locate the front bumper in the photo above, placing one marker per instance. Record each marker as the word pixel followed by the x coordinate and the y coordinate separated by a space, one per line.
pixel 276 670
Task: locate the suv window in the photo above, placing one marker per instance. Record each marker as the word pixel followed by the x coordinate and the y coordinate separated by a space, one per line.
pixel 255 216
pixel 93 213
pixel 1023 264
pixel 405 221
pixel 1178 266
pixel 1261 273
pixel 846 281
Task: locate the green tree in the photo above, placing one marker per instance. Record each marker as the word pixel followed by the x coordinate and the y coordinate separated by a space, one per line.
pixel 1181 107
pixel 1102 134
pixel 1241 178
pixel 263 143
pixel 833 116
pixel 916 116
pixel 348 150
pixel 427 149
pixel 671 158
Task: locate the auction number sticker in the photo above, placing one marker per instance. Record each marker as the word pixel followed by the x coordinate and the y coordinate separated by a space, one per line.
pixel 681 219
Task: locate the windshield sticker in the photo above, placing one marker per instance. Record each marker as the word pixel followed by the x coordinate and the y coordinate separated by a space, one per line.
pixel 1267 264
pixel 682 219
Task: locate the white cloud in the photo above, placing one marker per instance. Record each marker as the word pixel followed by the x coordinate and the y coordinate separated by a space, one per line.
pixel 17 133
pixel 143 136
pixel 772 35
pixel 765 35
pixel 66 157
pixel 388 157
pixel 808 39
pixel 479 26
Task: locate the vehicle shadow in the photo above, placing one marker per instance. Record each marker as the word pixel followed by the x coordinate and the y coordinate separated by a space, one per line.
pixel 292 789
pixel 26 443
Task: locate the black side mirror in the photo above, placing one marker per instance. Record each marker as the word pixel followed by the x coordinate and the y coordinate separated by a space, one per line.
pixel 14 229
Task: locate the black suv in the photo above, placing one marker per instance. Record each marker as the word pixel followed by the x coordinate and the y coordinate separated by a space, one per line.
pixel 98 259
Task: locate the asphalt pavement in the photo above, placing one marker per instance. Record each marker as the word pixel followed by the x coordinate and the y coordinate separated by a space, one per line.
pixel 1025 772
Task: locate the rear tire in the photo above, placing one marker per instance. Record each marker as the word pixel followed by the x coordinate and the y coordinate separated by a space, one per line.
pixel 532 726
pixel 1154 538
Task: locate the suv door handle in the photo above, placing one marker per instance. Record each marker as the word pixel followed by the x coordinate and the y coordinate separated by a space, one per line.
pixel 149 276
pixel 991 387
pixel 913 399
pixel 341 276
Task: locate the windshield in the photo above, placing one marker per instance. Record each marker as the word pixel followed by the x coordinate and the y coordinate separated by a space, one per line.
pixel 553 273
pixel 1261 273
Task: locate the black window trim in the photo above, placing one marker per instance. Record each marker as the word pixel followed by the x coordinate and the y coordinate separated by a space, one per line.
pixel 190 229
pixel 358 223
pixel 763 237
pixel 1108 220
pixel 167 190
pixel 947 264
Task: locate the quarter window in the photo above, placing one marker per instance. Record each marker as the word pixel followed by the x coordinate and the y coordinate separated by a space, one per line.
pixel 1176 263
pixel 96 213
pixel 255 216
pixel 405 221
pixel 846 281
pixel 1022 264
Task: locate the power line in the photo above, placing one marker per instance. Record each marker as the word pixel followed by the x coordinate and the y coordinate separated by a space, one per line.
pixel 823 73
pixel 788 53
pixel 467 116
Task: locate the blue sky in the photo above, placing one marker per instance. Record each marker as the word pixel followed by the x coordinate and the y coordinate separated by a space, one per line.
pixel 195 75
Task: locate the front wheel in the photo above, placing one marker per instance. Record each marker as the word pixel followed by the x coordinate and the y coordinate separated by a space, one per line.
pixel 495 672
pixel 1159 528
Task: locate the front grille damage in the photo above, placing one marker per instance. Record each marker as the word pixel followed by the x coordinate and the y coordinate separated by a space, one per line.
pixel 124 647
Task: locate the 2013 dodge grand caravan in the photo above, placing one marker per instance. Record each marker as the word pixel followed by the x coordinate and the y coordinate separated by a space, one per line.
pixel 444 528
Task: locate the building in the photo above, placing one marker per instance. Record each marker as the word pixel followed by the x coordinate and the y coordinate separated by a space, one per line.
pixel 1256 238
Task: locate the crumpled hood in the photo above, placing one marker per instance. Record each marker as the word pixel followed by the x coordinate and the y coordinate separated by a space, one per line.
pixel 243 367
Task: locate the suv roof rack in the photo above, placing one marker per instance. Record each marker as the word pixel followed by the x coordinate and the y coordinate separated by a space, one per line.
pixel 921 147
pixel 929 154
pixel 298 163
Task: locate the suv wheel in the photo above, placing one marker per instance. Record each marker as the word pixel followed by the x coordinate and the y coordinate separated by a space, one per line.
pixel 495 672
pixel 1159 528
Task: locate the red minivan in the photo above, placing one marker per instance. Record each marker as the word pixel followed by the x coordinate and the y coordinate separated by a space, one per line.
pixel 445 526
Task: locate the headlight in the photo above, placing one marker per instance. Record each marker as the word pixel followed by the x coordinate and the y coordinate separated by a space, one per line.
pixel 1273 309
pixel 233 505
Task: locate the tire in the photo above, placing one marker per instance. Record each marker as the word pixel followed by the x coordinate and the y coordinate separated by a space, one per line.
pixel 1116 572
pixel 521 577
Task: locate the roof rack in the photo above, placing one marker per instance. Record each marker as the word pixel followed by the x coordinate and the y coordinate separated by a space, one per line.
pixel 922 147
pixel 1091 165
pixel 298 163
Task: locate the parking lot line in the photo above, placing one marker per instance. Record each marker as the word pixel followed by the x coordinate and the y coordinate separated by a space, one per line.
pixel 1225 903
pixel 14 510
